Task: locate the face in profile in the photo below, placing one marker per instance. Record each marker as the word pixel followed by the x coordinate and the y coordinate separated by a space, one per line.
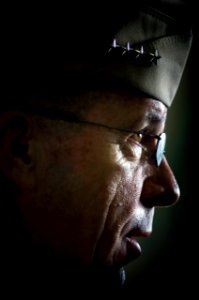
pixel 87 193
pixel 93 189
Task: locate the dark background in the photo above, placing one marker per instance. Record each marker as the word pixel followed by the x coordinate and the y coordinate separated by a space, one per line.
pixel 169 263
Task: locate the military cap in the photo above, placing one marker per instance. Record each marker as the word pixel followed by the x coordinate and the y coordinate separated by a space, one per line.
pixel 151 54
pixel 144 48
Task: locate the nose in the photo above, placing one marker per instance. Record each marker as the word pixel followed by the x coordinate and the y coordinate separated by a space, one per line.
pixel 160 188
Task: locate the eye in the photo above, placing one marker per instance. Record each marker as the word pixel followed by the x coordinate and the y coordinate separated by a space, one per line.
pixel 137 136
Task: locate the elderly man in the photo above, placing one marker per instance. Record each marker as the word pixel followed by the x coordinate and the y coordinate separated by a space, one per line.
pixel 82 163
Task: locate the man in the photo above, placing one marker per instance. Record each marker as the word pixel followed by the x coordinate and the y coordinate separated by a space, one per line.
pixel 82 162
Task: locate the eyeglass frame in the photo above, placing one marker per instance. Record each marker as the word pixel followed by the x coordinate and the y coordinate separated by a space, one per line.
pixel 156 156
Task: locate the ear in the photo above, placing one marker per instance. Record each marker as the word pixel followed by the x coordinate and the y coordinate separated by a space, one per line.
pixel 16 147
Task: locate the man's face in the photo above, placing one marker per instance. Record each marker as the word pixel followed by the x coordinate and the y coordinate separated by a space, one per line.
pixel 96 187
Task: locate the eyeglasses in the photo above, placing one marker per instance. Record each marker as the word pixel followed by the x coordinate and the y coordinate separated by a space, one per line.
pixel 155 154
pixel 156 151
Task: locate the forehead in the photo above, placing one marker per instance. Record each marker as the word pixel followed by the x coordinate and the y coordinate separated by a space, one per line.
pixel 125 107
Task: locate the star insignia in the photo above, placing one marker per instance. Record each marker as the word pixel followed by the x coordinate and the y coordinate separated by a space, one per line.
pixel 138 54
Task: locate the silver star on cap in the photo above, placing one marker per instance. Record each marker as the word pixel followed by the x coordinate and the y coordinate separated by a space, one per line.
pixel 127 48
pixel 138 52
pixel 155 56
pixel 113 45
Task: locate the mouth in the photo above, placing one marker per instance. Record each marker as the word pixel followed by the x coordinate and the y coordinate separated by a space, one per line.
pixel 133 248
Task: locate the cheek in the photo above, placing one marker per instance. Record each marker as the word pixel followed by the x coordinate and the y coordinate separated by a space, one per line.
pixel 71 207
pixel 88 193
pixel 129 181
pixel 107 186
pixel 124 205
pixel 126 199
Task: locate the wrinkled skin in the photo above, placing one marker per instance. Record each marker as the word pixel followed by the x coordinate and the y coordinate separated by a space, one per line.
pixel 88 192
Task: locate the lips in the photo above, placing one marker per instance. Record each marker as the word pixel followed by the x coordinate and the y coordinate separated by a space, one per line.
pixel 133 249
